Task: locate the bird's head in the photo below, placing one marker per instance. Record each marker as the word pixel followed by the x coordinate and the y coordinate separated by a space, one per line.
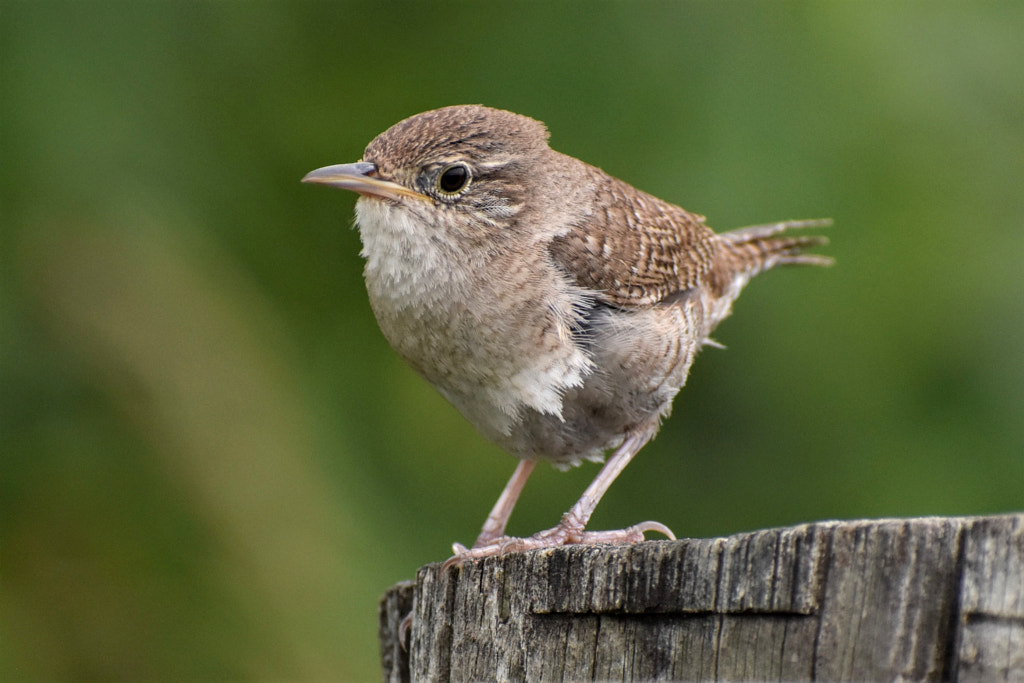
pixel 464 165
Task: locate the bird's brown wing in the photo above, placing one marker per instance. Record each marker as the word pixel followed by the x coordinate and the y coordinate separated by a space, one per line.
pixel 634 249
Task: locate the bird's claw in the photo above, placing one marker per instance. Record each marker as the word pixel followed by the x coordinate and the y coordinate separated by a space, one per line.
pixel 563 534
pixel 633 534
pixel 403 631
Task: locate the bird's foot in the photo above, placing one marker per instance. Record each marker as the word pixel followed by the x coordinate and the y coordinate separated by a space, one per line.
pixel 403 631
pixel 568 532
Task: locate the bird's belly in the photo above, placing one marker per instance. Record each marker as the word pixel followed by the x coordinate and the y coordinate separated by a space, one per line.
pixel 494 369
pixel 641 360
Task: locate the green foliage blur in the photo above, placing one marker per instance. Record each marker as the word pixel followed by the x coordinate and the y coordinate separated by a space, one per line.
pixel 211 463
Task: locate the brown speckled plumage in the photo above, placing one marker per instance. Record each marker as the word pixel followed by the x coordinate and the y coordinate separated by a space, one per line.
pixel 557 307
pixel 635 249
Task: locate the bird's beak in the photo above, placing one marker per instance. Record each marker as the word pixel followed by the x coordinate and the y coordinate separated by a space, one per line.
pixel 359 177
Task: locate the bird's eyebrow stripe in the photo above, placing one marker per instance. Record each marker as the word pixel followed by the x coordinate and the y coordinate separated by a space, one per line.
pixel 494 164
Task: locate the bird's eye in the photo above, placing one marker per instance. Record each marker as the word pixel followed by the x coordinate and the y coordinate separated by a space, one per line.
pixel 453 179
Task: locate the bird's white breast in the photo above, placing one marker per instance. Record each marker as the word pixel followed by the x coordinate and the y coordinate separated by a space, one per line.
pixel 489 361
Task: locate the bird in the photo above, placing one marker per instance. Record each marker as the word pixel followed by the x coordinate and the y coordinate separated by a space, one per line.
pixel 558 308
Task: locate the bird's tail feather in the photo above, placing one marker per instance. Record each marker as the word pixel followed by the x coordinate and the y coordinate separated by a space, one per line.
pixel 759 247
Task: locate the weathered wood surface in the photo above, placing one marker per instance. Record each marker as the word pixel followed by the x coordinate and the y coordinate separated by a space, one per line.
pixel 913 599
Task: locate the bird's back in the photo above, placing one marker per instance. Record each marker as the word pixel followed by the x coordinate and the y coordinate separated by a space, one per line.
pixel 662 281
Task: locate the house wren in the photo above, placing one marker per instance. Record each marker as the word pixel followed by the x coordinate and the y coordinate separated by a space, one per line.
pixel 556 307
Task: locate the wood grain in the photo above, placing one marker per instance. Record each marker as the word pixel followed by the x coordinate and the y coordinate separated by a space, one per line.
pixel 900 599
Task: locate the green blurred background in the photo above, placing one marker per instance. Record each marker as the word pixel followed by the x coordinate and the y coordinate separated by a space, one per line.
pixel 211 462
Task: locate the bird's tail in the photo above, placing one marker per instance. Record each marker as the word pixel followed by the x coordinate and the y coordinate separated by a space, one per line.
pixel 757 248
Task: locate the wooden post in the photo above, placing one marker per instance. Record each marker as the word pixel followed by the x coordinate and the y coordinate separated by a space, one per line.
pixel 900 599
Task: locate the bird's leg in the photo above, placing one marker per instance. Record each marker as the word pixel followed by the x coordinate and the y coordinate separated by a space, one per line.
pixel 494 527
pixel 574 521
pixel 492 535
pixel 571 529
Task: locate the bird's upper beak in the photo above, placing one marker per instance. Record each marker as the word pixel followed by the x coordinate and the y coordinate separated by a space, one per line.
pixel 359 177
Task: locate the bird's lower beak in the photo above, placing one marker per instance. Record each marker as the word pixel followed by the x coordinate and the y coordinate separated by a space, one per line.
pixel 359 177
